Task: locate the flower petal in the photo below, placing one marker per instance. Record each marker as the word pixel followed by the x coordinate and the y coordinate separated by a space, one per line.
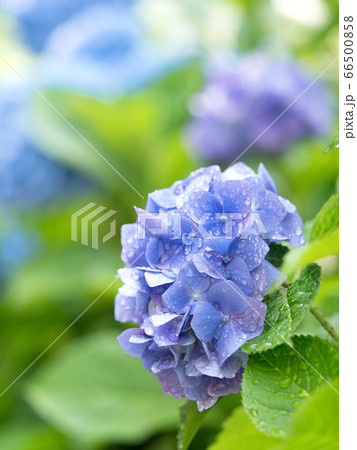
pixel 252 249
pixel 205 321
pixel 235 196
pixel 134 341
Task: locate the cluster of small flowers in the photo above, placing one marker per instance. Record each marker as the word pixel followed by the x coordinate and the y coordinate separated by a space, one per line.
pixel 243 97
pixel 196 274
pixel 100 48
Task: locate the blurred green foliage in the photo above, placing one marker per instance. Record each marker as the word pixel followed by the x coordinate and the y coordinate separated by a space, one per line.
pixel 84 393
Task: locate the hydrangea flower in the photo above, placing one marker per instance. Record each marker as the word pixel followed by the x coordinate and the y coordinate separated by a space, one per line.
pixel 112 54
pixel 27 177
pixel 195 276
pixel 241 98
pixel 97 48
pixel 17 245
pixel 38 18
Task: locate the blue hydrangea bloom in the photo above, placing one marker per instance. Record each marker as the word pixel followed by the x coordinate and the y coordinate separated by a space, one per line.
pixel 27 178
pixel 38 18
pixel 104 50
pixel 17 245
pixel 195 276
pixel 241 98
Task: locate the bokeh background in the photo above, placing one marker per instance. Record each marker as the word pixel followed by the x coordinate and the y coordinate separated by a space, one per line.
pixel 158 88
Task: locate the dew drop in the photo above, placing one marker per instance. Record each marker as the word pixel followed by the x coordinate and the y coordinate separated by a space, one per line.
pixel 284 383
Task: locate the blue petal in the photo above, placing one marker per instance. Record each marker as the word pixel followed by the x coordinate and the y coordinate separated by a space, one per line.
pixel 159 322
pixel 167 255
pixel 125 305
pixel 201 203
pixel 238 171
pixel 133 252
pixel 170 383
pixel 290 229
pixel 135 278
pixel 270 209
pixel 158 359
pixel 237 271
pixel 259 280
pixel 154 250
pixel 161 200
pixel 206 319
pixel 199 393
pixel 177 297
pixel 156 278
pixel 218 244
pixel 142 300
pixel 201 179
pixel 208 365
pixel 235 196
pixel 229 341
pixel 189 283
pixel 267 179
pixel 210 264
pixel 251 321
pixel 252 250
pixel 273 275
pixel 289 207
pixel 190 276
pixel 134 341
pixel 228 298
pixel 226 386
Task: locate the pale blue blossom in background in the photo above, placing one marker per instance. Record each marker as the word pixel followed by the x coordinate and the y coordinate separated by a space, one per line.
pixel 97 48
pixel 38 18
pixel 105 51
pixel 17 245
pixel 27 177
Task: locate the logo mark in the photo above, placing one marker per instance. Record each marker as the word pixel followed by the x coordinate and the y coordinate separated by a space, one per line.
pixel 85 227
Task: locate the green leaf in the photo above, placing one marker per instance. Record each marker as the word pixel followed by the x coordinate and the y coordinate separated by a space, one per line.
pixel 301 293
pixel 327 219
pixel 334 144
pixel 191 420
pixel 276 381
pixel 239 433
pixel 321 235
pixel 326 246
pixel 315 424
pixel 276 254
pixel 146 134
pixel 95 392
pixel 24 434
pixel 285 310
pixel 277 326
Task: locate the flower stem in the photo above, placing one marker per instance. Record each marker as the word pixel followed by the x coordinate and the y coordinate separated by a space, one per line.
pixel 316 312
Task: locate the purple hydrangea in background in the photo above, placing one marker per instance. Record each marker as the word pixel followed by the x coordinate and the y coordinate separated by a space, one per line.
pixel 241 98
pixel 195 275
